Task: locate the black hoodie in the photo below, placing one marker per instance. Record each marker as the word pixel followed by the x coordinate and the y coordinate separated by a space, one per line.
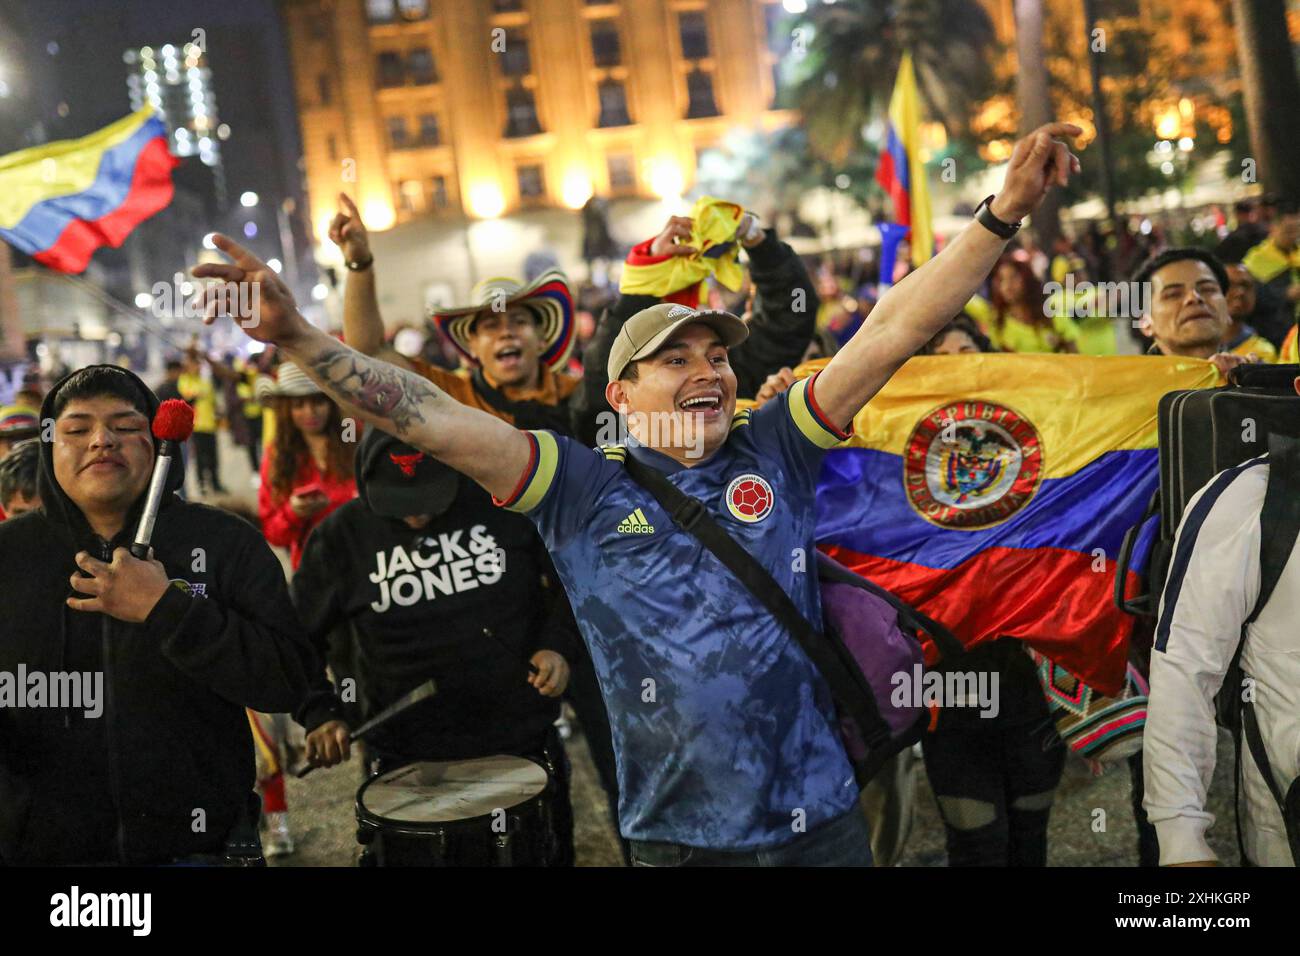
pixel 167 767
pixel 437 603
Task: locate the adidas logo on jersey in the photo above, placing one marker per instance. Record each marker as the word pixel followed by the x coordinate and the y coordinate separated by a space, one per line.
pixel 636 523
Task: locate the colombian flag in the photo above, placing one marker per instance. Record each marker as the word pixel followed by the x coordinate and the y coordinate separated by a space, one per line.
pixel 993 491
pixel 62 201
pixel 901 172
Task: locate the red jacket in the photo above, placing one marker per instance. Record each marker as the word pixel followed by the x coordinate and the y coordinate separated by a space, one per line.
pixel 280 525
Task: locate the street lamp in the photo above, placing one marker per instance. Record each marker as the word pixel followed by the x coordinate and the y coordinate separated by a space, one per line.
pixel 248 199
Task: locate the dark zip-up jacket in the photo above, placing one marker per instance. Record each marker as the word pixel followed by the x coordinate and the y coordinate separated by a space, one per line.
pixel 167 767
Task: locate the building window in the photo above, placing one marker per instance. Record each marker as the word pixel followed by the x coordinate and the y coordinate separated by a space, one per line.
pixel 429 130
pixel 514 58
pixel 507 6
pixel 438 192
pixel 613 104
pixel 324 89
pixel 380 11
pixel 622 172
pixel 332 147
pixel 410 195
pixel 397 136
pixel 390 69
pixel 604 43
pixel 413 9
pixel 699 90
pixel 419 64
pixel 694 33
pixel 521 113
pixel 532 185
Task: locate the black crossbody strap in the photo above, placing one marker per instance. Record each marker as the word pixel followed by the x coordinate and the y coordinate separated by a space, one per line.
pixel 1279 518
pixel 846 683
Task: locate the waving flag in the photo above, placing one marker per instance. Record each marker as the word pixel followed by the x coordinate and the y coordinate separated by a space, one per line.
pixel 62 201
pixel 901 172
pixel 993 493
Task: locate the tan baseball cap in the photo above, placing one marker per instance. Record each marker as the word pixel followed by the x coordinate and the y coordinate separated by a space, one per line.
pixel 646 332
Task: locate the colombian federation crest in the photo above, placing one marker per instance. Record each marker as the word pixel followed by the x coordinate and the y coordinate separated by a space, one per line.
pixel 972 464
pixel 749 498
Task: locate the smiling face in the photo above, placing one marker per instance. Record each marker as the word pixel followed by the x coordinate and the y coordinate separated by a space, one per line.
pixel 508 347
pixel 310 413
pixel 103 454
pixel 1189 312
pixel 682 398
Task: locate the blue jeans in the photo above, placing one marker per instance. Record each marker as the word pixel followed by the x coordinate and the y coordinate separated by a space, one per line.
pixel 845 841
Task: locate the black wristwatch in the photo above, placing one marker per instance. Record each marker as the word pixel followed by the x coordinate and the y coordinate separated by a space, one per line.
pixel 360 265
pixel 984 216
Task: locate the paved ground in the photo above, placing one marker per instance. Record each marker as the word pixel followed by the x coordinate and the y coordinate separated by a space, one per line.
pixel 323 822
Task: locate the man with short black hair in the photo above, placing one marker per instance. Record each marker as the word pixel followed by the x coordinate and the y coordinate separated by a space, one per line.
pixel 162 770
pixel 1187 306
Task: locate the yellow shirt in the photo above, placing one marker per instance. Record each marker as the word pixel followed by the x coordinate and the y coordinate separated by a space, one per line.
pixel 1018 336
pixel 1257 344
pixel 199 392
pixel 1266 261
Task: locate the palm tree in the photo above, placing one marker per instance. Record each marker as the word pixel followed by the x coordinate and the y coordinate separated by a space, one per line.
pixel 1271 91
pixel 847 75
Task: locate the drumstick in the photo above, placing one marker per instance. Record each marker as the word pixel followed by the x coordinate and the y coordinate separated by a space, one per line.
pixel 403 704
pixel 532 668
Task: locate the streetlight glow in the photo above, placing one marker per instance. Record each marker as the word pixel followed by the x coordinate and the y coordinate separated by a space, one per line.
pixel 248 199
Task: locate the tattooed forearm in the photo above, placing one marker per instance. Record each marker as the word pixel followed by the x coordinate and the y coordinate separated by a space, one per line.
pixel 376 387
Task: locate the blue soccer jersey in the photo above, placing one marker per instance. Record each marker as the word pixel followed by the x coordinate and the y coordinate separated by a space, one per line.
pixel 724 731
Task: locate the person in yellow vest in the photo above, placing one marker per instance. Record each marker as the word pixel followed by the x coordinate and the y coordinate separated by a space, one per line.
pixel 1275 262
pixel 198 391
pixel 1242 337
pixel 251 411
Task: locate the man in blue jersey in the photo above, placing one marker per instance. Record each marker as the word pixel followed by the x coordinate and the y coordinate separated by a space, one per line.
pixel 724 732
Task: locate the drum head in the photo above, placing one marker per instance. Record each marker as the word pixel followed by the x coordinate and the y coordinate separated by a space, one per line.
pixel 450 790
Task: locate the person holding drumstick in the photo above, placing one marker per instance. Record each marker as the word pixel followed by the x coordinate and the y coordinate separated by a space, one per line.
pixel 433 581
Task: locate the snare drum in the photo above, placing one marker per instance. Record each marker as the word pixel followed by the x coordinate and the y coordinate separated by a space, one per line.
pixel 489 811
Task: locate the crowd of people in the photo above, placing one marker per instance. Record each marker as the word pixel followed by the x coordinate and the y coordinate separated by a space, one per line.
pixel 459 515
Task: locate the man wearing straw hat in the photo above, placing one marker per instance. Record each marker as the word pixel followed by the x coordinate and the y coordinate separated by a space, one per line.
pixel 515 336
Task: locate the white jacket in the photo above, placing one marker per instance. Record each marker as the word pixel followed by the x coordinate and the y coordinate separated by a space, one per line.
pixel 1213 584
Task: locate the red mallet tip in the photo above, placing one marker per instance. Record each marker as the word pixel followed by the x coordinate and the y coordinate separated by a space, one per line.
pixel 174 421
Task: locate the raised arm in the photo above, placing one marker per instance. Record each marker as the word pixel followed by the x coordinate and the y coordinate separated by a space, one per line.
pixel 910 313
pixel 394 400
pixel 363 326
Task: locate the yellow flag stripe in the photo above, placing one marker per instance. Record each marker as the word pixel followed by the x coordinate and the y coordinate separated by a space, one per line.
pixel 63 168
pixel 1081 406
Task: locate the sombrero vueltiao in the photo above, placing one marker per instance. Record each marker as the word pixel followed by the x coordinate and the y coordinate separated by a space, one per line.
pixel 290 382
pixel 547 297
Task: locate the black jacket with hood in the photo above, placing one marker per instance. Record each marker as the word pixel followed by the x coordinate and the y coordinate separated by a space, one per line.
pixel 167 768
